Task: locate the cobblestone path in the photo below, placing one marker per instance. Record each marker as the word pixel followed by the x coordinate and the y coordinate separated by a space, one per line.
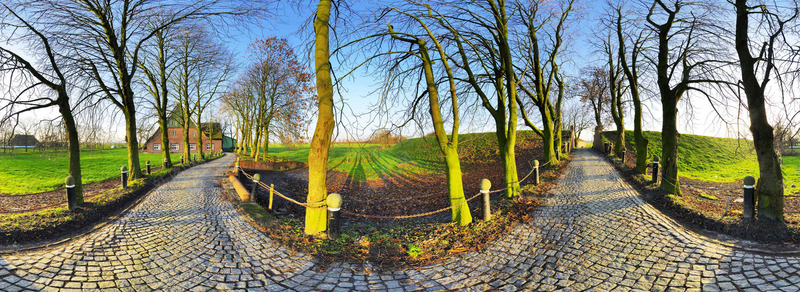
pixel 594 233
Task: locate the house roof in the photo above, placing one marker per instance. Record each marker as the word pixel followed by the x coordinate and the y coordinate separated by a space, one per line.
pixel 23 140
pixel 174 121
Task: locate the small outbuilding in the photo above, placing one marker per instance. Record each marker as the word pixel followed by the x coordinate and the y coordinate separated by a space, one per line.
pixel 23 141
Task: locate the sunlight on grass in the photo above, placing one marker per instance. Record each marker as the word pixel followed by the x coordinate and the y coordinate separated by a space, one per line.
pixel 719 159
pixel 412 156
pixel 34 172
pixel 363 161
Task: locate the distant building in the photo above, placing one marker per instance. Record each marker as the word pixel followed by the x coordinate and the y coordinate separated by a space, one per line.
pixel 210 138
pixel 579 143
pixel 23 141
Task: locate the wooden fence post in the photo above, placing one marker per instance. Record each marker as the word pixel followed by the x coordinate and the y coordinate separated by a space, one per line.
pixel 487 211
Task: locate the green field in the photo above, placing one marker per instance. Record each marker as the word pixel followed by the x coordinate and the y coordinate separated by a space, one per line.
pixel 33 172
pixel 418 155
pixel 718 159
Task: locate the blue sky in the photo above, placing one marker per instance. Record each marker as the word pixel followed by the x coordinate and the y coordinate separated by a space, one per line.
pixel 287 23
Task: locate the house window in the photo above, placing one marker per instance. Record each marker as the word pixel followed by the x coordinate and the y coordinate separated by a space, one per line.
pixel 194 133
pixel 208 146
pixel 192 146
pixel 156 146
pixel 174 147
pixel 173 133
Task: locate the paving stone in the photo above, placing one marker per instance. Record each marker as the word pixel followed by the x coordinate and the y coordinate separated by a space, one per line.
pixel 593 233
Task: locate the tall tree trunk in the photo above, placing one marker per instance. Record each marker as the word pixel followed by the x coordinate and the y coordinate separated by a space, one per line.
pixel 187 152
pixel 165 145
pixel 200 144
pixel 638 138
pixel 455 187
pixel 558 117
pixel 266 141
pixel 74 146
pixel 548 137
pixel 315 221
pixel 769 188
pixel 669 107
pixel 669 147
pixel 617 116
pixel 134 169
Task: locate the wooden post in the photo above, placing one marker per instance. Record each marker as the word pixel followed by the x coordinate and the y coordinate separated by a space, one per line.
pixel 749 197
pixel 487 211
pixel 70 185
pixel 271 191
pixel 536 172
pixel 124 171
pixel 334 202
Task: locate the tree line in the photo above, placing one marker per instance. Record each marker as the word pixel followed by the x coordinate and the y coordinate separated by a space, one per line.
pixel 82 55
pixel 507 57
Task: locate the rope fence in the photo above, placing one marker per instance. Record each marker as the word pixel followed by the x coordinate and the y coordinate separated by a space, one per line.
pixel 322 205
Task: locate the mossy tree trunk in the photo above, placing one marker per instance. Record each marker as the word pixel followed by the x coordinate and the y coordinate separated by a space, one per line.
pixel 544 72
pixel 315 220
pixel 447 145
pixel 769 188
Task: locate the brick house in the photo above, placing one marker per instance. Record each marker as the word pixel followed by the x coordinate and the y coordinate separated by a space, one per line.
pixel 175 136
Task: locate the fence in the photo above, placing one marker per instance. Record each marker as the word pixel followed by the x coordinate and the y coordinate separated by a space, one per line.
pixel 335 210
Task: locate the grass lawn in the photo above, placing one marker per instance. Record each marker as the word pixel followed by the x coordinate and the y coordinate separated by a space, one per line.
pixel 33 172
pixel 417 155
pixel 719 159
pixel 362 161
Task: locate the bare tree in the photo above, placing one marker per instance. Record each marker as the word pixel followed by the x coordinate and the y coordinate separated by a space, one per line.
pixel 414 49
pixel 770 182
pixel 630 66
pixel 480 31
pixel 616 91
pixel 106 39
pixel 158 63
pixel 593 90
pixel 49 79
pixel 679 69
pixel 541 70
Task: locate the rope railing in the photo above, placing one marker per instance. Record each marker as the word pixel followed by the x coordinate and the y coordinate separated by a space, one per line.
pixel 321 205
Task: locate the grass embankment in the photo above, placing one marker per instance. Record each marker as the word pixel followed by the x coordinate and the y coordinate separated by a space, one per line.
pixel 718 159
pixel 35 172
pixel 712 170
pixel 51 223
pixel 412 156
